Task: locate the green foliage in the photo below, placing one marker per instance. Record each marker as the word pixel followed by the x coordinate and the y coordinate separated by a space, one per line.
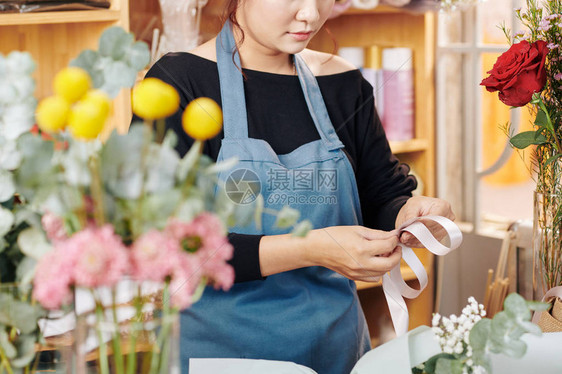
pixel 500 335
pixel 117 61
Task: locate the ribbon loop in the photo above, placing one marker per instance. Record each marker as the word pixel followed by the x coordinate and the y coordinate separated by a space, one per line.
pixel 394 286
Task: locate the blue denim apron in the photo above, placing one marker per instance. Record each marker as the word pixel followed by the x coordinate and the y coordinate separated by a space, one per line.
pixel 310 316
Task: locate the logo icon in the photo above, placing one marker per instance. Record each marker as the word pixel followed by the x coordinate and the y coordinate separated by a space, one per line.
pixel 242 186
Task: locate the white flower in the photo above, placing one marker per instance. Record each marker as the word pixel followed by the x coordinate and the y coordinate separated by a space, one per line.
pixel 458 348
pixel 435 319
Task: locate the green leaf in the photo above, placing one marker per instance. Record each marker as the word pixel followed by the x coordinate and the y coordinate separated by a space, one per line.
pixel 538 305
pixel 220 166
pixel 527 138
pixel 302 228
pixel 6 221
pixel 89 61
pixel 190 208
pixel 117 75
pixel 448 366
pixel 541 120
pixel 114 42
pixel 515 348
pixel 5 345
pixel 531 328
pixel 516 307
pixel 287 217
pixel 138 55
pixel 553 158
pixel 26 271
pixel 25 345
pixel 33 243
pixel 478 336
pixel 432 361
pixel 188 161
pixel 7 186
pixel 21 315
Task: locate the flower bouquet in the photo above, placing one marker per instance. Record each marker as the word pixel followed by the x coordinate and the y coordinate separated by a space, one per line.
pixel 530 73
pixel 469 343
pixel 124 233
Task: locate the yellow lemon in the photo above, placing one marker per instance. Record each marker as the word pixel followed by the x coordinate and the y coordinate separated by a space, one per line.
pixel 202 118
pixel 72 83
pixel 154 99
pixel 52 113
pixel 87 118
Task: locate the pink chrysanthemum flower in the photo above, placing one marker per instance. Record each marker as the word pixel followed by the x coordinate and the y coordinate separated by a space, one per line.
pixel 185 279
pixel 154 256
pixel 54 227
pixel 51 284
pixel 100 257
pixel 205 236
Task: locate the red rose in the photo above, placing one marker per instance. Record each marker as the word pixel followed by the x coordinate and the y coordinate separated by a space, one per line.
pixel 518 73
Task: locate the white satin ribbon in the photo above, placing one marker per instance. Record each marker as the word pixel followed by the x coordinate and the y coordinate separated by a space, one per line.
pixel 394 286
pixel 553 292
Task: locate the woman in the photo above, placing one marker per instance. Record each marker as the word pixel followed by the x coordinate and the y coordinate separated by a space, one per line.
pixel 303 124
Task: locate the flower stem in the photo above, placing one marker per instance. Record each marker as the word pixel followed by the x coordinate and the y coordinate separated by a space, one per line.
pixel 97 190
pixel 104 365
pixel 131 357
pixel 162 339
pixel 117 354
pixel 5 363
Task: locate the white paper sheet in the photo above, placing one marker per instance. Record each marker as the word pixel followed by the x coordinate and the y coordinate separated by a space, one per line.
pixel 244 366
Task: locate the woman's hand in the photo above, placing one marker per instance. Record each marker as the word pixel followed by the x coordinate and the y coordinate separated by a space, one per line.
pixel 419 206
pixel 356 252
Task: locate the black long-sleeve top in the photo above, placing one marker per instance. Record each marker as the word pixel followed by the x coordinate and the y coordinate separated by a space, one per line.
pixel 277 113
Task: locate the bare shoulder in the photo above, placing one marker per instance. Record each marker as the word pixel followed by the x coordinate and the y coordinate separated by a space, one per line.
pixel 206 50
pixel 322 63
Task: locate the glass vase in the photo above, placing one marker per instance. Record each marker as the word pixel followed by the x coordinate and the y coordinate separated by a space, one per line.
pixel 547 243
pixel 149 345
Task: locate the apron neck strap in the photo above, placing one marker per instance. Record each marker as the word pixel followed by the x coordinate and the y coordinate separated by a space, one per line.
pixel 231 85
pixel 316 105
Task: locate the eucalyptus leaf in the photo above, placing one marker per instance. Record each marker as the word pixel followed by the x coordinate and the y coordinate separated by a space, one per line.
pixel 302 228
pixel 18 119
pixel 25 345
pixel 138 55
pixel 6 221
pixel 527 138
pixel 287 217
pixel 7 185
pixel 114 42
pixel 516 307
pixel 7 347
pixel 515 348
pixel 21 315
pixel 26 271
pixel 90 61
pixel 430 364
pixel 33 243
pixel 448 366
pixel 478 336
pixel 157 208
pixel 10 156
pixel 221 166
pixel 188 161
pixel 121 162
pixel 161 165
pixel 538 305
pixel 116 76
pixel 190 208
pixel 531 328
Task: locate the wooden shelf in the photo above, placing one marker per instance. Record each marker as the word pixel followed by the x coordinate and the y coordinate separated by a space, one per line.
pixel 414 145
pixel 77 16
